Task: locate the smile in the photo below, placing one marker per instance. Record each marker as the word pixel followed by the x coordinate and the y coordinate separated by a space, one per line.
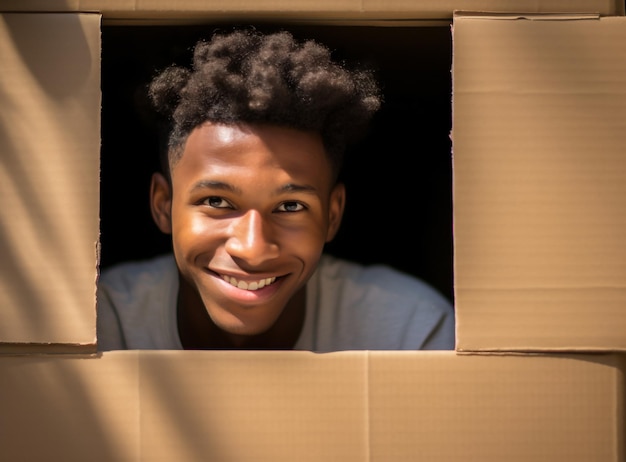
pixel 254 285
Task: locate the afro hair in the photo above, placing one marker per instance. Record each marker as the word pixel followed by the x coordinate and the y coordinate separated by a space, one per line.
pixel 249 77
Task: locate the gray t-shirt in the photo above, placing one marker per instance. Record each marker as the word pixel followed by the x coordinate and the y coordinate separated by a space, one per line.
pixel 348 307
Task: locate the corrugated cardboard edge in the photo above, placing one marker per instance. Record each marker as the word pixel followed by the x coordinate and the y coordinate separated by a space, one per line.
pixel 503 350
pixel 368 405
pixel 529 16
pixel 620 408
pixel 541 352
pixel 18 349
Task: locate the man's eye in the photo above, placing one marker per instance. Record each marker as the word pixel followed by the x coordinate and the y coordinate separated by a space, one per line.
pixel 216 202
pixel 290 207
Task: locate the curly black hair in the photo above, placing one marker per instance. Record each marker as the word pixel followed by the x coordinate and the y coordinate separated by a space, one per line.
pixel 246 76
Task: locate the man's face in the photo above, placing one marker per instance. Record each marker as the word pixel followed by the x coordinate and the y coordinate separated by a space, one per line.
pixel 251 209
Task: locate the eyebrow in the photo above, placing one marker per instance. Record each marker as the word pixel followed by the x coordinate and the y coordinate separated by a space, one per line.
pixel 220 185
pixel 292 187
pixel 213 184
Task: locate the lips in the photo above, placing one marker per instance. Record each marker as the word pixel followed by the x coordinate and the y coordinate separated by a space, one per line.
pixel 249 285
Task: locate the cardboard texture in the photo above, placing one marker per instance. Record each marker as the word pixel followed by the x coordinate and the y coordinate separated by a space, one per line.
pixel 539 187
pixel 49 171
pixel 285 406
pixel 539 183
pixel 329 10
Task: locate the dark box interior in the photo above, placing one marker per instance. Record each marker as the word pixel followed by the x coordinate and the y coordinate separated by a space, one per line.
pixel 399 179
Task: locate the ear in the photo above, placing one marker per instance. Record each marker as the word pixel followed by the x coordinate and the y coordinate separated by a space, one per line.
pixel 335 210
pixel 161 202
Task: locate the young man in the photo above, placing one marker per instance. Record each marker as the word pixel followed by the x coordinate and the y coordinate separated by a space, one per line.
pixel 250 195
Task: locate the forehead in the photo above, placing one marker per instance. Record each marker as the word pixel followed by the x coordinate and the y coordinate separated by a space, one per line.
pixel 213 148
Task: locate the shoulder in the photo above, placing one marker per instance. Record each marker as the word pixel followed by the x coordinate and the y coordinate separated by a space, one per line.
pixel 379 307
pixel 135 275
pixel 131 289
pixel 376 280
pixel 136 305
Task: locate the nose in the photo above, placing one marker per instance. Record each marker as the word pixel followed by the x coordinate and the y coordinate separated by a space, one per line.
pixel 251 240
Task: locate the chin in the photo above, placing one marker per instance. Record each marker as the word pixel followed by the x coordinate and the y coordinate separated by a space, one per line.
pixel 244 331
pixel 236 326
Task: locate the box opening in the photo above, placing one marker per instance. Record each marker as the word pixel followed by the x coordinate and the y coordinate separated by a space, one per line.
pixel 399 208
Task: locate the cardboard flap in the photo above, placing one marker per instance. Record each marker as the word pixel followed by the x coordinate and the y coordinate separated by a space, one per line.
pixel 299 406
pixel 540 184
pixel 308 10
pixel 49 176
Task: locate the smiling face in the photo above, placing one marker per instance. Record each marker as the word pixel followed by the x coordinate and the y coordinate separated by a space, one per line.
pixel 250 209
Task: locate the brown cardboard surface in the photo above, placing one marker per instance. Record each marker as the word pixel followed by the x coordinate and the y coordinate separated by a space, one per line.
pixel 49 176
pixel 539 184
pixel 439 407
pixel 69 408
pixel 308 9
pixel 603 7
pixel 264 406
pixel 285 406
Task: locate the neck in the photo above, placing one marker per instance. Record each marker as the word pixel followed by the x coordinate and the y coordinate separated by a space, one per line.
pixel 197 330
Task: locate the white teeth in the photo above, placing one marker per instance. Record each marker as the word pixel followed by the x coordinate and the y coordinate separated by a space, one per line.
pixel 254 285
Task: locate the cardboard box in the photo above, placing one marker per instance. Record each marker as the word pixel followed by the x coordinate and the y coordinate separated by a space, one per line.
pixel 539 183
pixel 286 406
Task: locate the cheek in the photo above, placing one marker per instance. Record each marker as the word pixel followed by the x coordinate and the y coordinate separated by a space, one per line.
pixel 193 232
pixel 306 241
pixel 306 247
pixel 308 232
